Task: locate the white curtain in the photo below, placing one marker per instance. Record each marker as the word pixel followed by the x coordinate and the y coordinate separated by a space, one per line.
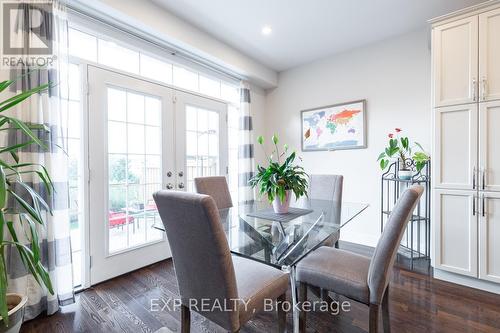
pixel 246 163
pixel 47 109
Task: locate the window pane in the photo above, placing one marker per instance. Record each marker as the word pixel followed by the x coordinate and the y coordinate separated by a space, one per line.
pixel 230 93
pixel 153 140
pixel 74 123
pixel 117 169
pixel 209 86
pixel 135 138
pixel 117 104
pixel 117 56
pixel 135 108
pixel 136 171
pixel 74 82
pixel 185 78
pixel 191 118
pixel 153 169
pixel 82 45
pixel 156 69
pixel 116 133
pixel 153 111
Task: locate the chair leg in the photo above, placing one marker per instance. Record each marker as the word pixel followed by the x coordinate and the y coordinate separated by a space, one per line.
pixel 385 312
pixel 281 314
pixel 337 245
pixel 302 313
pixel 374 314
pixel 185 319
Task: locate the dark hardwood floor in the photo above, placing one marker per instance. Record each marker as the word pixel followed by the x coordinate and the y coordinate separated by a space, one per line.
pixel 418 304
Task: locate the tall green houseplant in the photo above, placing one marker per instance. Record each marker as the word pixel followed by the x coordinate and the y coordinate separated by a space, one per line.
pixel 13 207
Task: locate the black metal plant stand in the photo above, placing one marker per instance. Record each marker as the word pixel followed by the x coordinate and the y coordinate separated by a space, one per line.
pixel 416 241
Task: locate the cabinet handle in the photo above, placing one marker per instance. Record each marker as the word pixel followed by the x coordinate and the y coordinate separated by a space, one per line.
pixel 474 178
pixel 484 179
pixel 473 205
pixel 474 82
pixel 484 86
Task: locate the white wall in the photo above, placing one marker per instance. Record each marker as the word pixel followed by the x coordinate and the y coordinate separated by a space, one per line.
pixel 394 77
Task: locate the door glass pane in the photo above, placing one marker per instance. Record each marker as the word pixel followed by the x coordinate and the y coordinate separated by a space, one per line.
pixel 134 168
pixel 202 144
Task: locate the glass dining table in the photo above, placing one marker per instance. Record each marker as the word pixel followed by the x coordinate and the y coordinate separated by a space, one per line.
pixel 254 232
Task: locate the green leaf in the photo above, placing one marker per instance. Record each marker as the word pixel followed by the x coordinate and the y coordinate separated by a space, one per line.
pixel 8 103
pixel 16 147
pixel 381 156
pixel 5 84
pixel 260 139
pixel 30 210
pixel 21 125
pixel 383 164
pixel 3 190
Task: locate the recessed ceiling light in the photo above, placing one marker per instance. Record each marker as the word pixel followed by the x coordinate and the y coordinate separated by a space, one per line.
pixel 266 30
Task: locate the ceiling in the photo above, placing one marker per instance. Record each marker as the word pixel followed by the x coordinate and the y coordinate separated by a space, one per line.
pixel 306 30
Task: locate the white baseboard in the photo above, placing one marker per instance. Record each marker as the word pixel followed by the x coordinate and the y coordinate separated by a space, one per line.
pixel 466 281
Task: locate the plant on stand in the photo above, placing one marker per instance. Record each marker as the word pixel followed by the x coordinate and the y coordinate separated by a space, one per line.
pixel 278 180
pixel 399 149
pixel 15 208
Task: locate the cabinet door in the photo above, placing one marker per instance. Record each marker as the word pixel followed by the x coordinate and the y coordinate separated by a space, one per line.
pixel 455 147
pixel 455 231
pixel 455 62
pixel 489 237
pixel 489 146
pixel 489 55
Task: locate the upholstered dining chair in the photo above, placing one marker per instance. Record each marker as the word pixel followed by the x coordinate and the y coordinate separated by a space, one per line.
pixel 206 272
pixel 357 277
pixel 328 188
pixel 217 188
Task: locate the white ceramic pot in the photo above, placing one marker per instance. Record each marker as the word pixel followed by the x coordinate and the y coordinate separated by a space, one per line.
pixel 282 207
pixel 405 174
pixel 16 304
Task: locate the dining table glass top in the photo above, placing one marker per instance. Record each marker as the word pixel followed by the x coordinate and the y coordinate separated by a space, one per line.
pixel 279 243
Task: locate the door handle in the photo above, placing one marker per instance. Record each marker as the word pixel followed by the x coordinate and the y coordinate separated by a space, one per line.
pixel 483 213
pixel 473 205
pixel 484 179
pixel 474 178
pixel 483 88
pixel 474 83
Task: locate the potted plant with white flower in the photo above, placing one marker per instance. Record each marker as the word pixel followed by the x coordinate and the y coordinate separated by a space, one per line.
pixel 280 179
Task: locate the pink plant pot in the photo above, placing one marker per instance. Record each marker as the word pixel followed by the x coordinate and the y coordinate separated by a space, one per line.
pixel 282 207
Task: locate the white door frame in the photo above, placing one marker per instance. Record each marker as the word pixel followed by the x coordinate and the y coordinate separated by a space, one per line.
pixel 103 264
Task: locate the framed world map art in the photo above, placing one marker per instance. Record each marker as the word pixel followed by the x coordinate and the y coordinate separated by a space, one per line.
pixel 334 127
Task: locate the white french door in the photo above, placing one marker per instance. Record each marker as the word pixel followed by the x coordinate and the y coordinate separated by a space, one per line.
pixel 143 137
pixel 131 136
pixel 201 146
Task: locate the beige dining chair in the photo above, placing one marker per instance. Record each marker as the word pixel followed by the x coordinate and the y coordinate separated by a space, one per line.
pixel 217 188
pixel 328 188
pixel 205 270
pixel 357 277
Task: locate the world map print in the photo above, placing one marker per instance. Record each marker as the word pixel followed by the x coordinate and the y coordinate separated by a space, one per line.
pixel 334 127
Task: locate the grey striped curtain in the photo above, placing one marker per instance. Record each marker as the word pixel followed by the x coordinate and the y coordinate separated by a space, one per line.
pixel 45 108
pixel 246 164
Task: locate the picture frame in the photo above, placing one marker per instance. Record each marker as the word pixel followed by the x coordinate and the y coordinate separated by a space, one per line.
pixel 334 127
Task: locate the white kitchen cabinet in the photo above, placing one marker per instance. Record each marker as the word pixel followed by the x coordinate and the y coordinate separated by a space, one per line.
pixel 489 146
pixel 455 231
pixel 489 236
pixel 455 62
pixel 489 55
pixel 455 147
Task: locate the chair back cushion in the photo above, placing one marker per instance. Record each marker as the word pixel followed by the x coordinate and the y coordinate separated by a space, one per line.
pixel 325 187
pixel 217 188
pixel 201 255
pixel 383 258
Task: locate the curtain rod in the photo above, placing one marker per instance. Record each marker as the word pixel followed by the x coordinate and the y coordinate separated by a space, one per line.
pixel 159 43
